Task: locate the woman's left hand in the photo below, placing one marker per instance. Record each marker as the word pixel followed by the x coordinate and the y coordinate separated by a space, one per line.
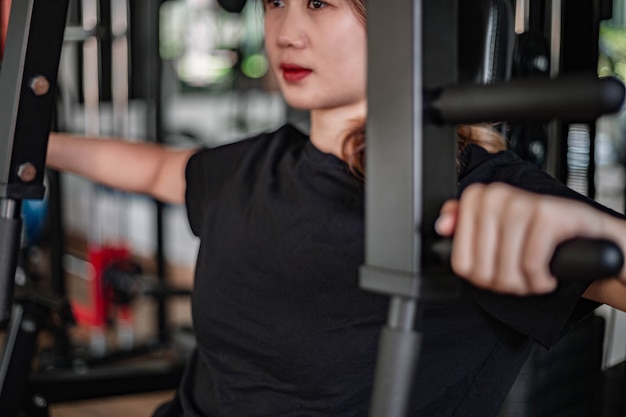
pixel 504 237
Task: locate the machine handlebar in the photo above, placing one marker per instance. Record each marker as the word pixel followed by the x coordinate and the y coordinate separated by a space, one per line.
pixel 578 259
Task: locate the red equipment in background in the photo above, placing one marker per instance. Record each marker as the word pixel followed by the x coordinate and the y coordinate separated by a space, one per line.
pixel 5 7
pixel 95 310
pixel 111 284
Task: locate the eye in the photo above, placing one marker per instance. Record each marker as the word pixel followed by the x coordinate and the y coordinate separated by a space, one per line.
pixel 317 4
pixel 274 4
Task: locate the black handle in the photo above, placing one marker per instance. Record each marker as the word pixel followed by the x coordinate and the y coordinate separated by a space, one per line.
pixel 586 260
pixel 579 259
pixel 574 97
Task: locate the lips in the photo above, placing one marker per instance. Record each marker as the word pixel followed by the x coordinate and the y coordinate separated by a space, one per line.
pixel 294 73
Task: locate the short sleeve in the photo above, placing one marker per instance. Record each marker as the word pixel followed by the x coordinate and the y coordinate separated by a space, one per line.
pixel 208 171
pixel 199 188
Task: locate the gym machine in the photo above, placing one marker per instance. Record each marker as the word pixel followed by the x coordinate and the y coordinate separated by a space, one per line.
pixel 557 38
pixel 414 137
pixel 27 85
pixel 402 253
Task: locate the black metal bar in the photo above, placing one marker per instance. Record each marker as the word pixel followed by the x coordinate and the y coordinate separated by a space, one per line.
pixel 572 98
pixel 147 33
pixel 73 385
pixel 27 85
pixel 57 249
pixel 10 234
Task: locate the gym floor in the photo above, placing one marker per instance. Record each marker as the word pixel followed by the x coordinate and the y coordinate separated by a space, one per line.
pixel 128 406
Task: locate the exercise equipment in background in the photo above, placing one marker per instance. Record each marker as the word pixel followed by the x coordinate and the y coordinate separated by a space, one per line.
pixel 34 39
pixel 398 247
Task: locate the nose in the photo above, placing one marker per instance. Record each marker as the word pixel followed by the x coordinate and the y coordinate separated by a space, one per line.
pixel 291 40
pixel 292 31
pixel 286 41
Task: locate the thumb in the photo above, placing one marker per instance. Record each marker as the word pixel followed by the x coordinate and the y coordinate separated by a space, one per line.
pixel 446 222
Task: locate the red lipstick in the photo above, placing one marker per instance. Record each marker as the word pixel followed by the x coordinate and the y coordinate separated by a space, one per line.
pixel 294 73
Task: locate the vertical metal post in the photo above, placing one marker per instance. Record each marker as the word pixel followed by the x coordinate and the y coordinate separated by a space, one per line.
pixel 554 164
pixel 27 91
pixel 155 130
pixel 27 85
pixel 91 67
pixel 120 67
pixel 411 172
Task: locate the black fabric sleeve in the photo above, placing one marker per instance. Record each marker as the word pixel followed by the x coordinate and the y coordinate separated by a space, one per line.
pixel 209 170
pixel 199 188
pixel 542 318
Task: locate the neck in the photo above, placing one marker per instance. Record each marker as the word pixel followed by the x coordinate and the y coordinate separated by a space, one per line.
pixel 329 127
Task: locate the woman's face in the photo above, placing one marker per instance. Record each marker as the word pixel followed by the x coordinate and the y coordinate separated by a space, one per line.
pixel 317 49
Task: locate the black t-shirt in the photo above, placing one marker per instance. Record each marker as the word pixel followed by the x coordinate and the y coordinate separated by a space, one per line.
pixel 282 326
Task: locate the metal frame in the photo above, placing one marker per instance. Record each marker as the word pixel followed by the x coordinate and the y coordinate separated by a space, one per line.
pixel 27 87
pixel 413 100
pixel 28 81
pixel 411 168
pixel 403 196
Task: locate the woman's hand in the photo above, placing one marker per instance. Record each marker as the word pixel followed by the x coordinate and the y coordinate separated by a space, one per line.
pixel 504 237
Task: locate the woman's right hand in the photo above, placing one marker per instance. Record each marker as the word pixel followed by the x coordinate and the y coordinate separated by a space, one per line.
pixel 504 238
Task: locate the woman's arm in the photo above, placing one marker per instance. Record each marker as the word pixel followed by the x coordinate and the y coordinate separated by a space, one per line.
pixel 135 167
pixel 504 239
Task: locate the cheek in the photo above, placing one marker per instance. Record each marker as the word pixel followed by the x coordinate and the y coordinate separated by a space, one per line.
pixel 269 50
pixel 352 67
pixel 352 54
pixel 269 40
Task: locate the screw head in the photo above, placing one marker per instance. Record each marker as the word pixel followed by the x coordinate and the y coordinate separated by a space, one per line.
pixel 27 172
pixel 39 401
pixel 40 85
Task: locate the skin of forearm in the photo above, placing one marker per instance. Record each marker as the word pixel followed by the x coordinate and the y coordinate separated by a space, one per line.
pixel 611 291
pixel 134 167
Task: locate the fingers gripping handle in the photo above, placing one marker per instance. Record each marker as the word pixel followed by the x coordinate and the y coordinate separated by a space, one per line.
pixel 586 260
pixel 578 259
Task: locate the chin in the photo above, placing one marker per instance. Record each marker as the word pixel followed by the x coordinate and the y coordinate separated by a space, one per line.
pixel 299 103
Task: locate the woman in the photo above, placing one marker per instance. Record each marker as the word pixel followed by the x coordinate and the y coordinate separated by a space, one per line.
pixel 281 325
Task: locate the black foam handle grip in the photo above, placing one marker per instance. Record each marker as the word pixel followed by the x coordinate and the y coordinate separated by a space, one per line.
pixel 574 97
pixel 586 260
